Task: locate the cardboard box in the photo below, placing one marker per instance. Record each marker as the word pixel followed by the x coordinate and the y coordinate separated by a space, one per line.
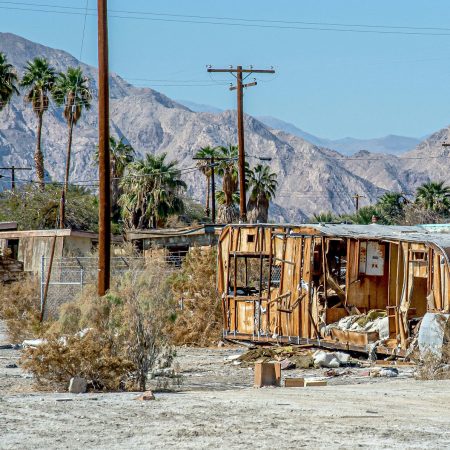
pixel 313 383
pixel 294 382
pixel 267 374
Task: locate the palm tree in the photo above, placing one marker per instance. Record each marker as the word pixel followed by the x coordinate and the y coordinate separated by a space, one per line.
pixel 39 78
pixel 391 205
pixel 227 169
pixel 151 192
pixel 263 185
pixel 324 217
pixel 8 80
pixel 121 154
pixel 434 196
pixel 205 154
pixel 71 90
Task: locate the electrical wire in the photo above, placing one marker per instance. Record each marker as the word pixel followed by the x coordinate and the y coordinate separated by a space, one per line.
pixel 252 23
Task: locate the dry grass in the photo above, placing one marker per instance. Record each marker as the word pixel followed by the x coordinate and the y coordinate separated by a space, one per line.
pixel 20 309
pixel 200 320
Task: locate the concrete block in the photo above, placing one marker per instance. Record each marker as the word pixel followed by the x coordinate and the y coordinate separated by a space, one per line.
pixel 77 385
pixel 267 374
pixel 294 382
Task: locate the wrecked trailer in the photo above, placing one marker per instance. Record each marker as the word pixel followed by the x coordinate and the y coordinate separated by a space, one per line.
pixel 351 287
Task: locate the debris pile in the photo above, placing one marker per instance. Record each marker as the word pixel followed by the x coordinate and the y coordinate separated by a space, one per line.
pixel 375 320
pixel 292 357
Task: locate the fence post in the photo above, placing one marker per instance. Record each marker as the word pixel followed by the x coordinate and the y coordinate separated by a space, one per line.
pixel 42 279
pixel 82 278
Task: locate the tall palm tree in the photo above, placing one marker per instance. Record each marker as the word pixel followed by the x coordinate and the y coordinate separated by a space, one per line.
pixel 39 78
pixel 228 170
pixel 263 185
pixel 206 153
pixel 121 154
pixel 8 80
pixel 434 196
pixel 71 90
pixel 151 192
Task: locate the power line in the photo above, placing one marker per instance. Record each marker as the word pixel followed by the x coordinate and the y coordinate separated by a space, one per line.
pixel 262 23
pixel 240 19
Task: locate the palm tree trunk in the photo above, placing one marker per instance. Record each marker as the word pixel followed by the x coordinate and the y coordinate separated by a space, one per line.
pixel 208 184
pixel 38 156
pixel 66 178
pixel 69 149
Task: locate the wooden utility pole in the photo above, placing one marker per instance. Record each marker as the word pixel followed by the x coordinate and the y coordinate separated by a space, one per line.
pixel 213 191
pixel 357 197
pixel 104 210
pixel 13 174
pixel 238 74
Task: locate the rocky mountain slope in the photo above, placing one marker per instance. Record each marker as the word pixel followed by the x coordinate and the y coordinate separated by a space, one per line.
pixel 391 144
pixel 311 178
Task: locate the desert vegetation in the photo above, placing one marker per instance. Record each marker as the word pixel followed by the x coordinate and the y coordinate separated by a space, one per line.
pixel 114 341
pixel 429 204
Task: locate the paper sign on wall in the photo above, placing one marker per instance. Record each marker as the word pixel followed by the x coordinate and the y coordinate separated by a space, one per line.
pixel 375 259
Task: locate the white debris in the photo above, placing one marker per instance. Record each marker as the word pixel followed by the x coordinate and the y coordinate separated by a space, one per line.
pixel 33 342
pixel 432 333
pixel 330 360
pixel 232 357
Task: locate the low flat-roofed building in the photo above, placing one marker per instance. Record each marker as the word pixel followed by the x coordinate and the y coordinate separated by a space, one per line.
pixel 174 243
pixel 29 246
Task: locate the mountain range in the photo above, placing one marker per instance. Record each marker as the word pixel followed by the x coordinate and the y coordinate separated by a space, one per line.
pixel 312 177
pixel 392 144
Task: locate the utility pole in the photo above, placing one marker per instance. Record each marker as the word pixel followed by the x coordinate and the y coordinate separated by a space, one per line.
pixel 104 209
pixel 238 74
pixel 357 197
pixel 13 174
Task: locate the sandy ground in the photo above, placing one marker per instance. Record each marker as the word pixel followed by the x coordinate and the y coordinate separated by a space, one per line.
pixel 218 408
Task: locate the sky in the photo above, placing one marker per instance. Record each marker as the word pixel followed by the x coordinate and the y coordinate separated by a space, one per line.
pixel 368 82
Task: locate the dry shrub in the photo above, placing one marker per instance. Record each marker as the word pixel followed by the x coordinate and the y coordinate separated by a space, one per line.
pixel 90 356
pixel 112 341
pixel 433 366
pixel 200 320
pixel 20 306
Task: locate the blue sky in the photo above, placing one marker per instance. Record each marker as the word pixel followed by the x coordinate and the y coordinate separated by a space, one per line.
pixel 332 84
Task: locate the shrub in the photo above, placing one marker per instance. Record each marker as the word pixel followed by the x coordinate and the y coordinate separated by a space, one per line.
pixel 112 341
pixel 200 320
pixel 20 307
pixel 91 356
pixel 434 367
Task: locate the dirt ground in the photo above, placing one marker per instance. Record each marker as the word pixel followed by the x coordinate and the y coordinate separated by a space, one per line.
pixel 217 407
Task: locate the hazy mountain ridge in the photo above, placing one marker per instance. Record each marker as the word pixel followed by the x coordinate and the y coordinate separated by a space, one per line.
pixel 311 178
pixel 391 144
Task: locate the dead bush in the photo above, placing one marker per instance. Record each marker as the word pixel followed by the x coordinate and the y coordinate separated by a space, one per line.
pixel 112 341
pixel 432 366
pixel 199 322
pixel 20 306
pixel 90 356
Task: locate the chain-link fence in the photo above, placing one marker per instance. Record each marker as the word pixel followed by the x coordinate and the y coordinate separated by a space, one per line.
pixel 69 275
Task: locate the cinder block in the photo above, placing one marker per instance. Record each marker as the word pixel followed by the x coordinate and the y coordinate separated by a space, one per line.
pixel 294 382
pixel 267 374
pixel 77 385
pixel 315 383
